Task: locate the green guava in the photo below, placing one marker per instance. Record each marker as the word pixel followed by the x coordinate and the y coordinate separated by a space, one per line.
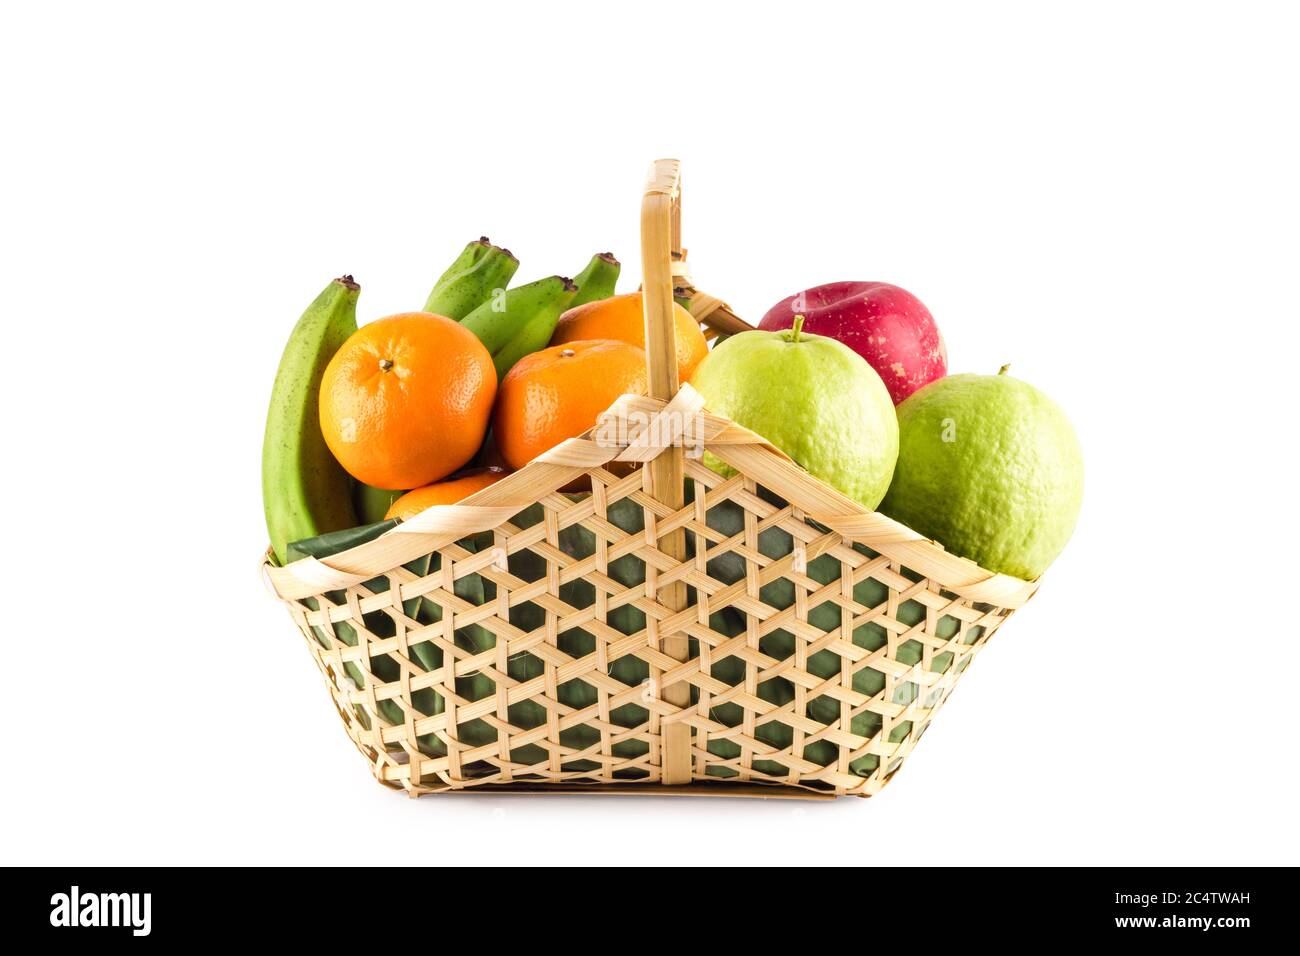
pixel 990 468
pixel 812 397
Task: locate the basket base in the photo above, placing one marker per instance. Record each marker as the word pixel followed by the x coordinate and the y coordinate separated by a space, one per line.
pixel 735 790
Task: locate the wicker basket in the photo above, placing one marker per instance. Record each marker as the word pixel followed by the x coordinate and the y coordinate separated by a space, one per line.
pixel 668 630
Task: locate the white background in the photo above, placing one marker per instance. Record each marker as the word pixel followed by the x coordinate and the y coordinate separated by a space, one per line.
pixel 1106 198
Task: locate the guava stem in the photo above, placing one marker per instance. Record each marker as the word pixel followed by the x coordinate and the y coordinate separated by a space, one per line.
pixel 1003 369
pixel 797 328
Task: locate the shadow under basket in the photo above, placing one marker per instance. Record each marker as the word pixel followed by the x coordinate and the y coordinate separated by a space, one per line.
pixel 667 629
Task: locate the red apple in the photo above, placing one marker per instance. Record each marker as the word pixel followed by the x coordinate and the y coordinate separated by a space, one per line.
pixel 886 325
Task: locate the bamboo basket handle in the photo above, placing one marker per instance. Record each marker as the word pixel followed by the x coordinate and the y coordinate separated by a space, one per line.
pixel 660 235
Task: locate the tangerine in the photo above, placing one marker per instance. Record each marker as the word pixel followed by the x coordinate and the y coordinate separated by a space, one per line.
pixel 557 393
pixel 619 317
pixel 444 492
pixel 407 399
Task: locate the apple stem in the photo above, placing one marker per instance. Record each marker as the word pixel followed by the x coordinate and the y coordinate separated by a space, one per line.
pixel 797 328
pixel 1003 369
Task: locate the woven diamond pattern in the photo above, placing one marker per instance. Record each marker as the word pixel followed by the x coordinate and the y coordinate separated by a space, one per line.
pixel 527 655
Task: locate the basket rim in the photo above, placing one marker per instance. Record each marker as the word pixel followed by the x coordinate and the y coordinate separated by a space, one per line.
pixel 642 438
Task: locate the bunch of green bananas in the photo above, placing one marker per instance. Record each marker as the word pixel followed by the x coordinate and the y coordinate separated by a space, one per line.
pixel 305 492
pixel 517 322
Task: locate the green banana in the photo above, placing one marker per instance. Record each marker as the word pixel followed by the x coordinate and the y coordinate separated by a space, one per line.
pixel 477 273
pixel 535 335
pixel 520 321
pixel 305 492
pixel 597 280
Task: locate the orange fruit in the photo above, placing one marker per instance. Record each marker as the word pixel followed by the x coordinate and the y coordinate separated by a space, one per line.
pixel 444 492
pixel 407 399
pixel 557 393
pixel 619 317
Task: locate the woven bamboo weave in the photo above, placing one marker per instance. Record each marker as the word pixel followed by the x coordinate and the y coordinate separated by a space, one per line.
pixel 762 635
